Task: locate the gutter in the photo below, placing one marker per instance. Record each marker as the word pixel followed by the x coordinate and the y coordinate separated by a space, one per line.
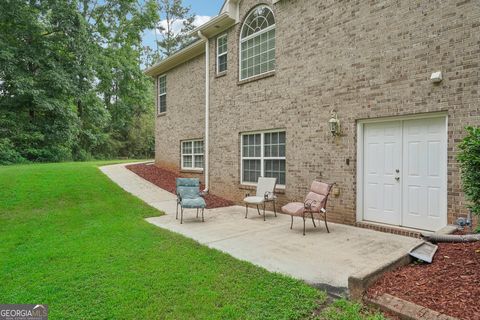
pixel 208 30
pixel 175 59
pixel 207 108
pixel 211 24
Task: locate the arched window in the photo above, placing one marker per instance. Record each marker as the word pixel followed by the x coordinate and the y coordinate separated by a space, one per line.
pixel 257 43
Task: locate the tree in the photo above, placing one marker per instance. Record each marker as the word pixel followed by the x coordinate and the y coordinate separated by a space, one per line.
pixel 71 84
pixel 469 157
pixel 38 42
pixel 125 91
pixel 172 31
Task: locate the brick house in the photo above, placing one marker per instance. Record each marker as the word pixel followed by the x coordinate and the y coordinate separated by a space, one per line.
pixel 255 94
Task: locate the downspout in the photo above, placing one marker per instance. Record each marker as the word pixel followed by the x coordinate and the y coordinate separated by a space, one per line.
pixel 207 109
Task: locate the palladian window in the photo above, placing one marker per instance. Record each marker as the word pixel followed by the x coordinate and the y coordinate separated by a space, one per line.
pixel 257 43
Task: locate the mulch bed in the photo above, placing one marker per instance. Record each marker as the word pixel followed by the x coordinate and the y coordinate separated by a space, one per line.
pixel 449 285
pixel 165 179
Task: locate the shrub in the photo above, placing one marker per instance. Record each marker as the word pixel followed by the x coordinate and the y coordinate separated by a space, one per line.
pixel 8 154
pixel 469 158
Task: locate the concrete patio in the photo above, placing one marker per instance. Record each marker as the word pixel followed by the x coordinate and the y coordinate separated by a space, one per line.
pixel 322 259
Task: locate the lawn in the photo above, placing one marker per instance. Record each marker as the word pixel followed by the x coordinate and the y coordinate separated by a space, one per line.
pixel 72 239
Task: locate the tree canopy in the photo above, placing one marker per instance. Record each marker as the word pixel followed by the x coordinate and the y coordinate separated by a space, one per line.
pixel 71 79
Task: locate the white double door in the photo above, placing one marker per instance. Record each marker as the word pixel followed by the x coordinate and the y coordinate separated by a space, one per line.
pixel 405 173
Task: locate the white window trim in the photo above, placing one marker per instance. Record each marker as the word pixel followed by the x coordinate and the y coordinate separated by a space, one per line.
pixel 193 154
pixel 225 35
pixel 262 156
pixel 242 40
pixel 161 94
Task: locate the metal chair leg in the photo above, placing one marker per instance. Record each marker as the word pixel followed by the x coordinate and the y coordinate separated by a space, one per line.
pixel 291 224
pixel 326 225
pixel 197 213
pixel 181 215
pixel 203 220
pixel 258 210
pixel 264 211
pixel 303 225
pixel 313 220
pixel 274 209
pixel 246 210
pixel 176 216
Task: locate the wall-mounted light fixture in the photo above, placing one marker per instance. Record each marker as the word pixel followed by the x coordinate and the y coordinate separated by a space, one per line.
pixel 334 124
pixel 436 77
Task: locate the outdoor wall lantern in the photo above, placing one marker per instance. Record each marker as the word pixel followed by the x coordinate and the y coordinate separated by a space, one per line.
pixel 436 77
pixel 334 124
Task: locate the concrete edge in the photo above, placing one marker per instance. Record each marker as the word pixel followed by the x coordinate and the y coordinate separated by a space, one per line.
pixel 405 310
pixel 359 282
pixel 124 164
pixel 449 229
pixel 332 291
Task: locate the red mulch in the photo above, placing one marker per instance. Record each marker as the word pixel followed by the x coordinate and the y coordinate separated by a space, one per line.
pixel 165 179
pixel 450 284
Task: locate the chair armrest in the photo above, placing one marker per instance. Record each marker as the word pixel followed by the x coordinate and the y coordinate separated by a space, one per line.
pixel 269 196
pixel 309 203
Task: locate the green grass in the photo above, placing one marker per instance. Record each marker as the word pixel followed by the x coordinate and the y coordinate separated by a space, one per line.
pixel 346 310
pixel 72 239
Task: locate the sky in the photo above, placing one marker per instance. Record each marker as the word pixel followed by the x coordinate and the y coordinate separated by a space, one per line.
pixel 203 9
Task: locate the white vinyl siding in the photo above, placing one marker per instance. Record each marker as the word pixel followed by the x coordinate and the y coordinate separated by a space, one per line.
pixel 222 50
pixel 162 94
pixel 263 155
pixel 192 155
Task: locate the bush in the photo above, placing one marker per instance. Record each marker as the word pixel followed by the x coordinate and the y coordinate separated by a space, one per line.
pixel 8 154
pixel 469 158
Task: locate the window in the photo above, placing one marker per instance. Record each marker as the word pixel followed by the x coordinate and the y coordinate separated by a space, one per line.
pixel 162 94
pixel 257 43
pixel 192 155
pixel 222 53
pixel 263 155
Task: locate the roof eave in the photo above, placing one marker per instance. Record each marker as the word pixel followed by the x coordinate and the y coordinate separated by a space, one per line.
pixel 215 26
pixel 210 29
pixel 187 53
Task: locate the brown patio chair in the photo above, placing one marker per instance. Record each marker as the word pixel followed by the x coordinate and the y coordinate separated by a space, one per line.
pixel 314 206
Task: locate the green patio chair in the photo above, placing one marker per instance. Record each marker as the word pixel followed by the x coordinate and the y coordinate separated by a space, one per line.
pixel 189 196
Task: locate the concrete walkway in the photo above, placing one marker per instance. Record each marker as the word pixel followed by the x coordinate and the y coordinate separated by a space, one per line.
pixel 322 259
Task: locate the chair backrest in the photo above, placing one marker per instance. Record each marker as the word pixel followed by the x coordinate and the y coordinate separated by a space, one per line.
pixel 265 185
pixel 318 195
pixel 188 187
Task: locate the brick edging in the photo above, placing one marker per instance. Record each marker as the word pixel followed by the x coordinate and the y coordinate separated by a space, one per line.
pixel 405 309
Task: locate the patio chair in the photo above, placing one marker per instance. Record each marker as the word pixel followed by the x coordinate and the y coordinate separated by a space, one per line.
pixel 265 193
pixel 189 196
pixel 315 205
